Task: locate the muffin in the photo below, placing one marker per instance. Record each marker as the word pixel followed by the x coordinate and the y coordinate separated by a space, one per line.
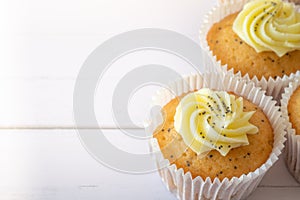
pixel 228 47
pixel 290 104
pixel 226 166
pixel 213 164
pixel 233 35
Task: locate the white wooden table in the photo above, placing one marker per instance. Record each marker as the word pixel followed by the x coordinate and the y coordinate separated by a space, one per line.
pixel 43 45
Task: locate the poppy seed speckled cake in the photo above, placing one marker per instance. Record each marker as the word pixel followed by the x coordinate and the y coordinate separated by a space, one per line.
pixel 234 162
pixel 257 40
pixel 214 139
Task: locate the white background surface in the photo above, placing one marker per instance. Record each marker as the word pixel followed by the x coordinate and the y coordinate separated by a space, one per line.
pixel 43 45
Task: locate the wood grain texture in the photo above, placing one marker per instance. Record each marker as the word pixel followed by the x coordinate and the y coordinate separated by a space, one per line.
pixel 52 164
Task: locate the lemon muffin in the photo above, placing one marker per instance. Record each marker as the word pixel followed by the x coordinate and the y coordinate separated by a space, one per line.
pixel 258 41
pixel 230 49
pixel 290 107
pixel 212 144
pixel 212 163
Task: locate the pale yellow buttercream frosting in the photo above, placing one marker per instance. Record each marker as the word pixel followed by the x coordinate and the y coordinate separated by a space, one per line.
pixel 269 25
pixel 213 120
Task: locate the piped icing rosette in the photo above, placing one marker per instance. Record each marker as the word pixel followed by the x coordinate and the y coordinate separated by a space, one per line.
pixel 269 25
pixel 213 120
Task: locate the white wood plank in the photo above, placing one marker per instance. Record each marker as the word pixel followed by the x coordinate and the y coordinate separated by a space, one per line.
pixel 36 103
pixel 53 38
pixel 276 193
pixel 52 164
pixel 279 176
pixel 136 192
pixel 97 17
pixel 95 193
pixel 44 45
pixel 38 158
pixel 37 164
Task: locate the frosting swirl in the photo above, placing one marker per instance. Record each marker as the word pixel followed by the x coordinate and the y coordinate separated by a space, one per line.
pixel 209 120
pixel 269 25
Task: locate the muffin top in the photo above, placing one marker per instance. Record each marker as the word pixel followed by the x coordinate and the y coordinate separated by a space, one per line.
pixel 261 40
pixel 293 110
pixel 230 49
pixel 269 25
pixel 213 164
pixel 213 120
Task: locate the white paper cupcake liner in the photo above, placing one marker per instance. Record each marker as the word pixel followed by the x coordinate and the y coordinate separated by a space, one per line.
pixel 273 87
pixel 292 151
pixel 182 184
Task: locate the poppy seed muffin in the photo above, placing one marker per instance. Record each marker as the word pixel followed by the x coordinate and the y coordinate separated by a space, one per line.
pixel 214 141
pixel 238 161
pixel 230 49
